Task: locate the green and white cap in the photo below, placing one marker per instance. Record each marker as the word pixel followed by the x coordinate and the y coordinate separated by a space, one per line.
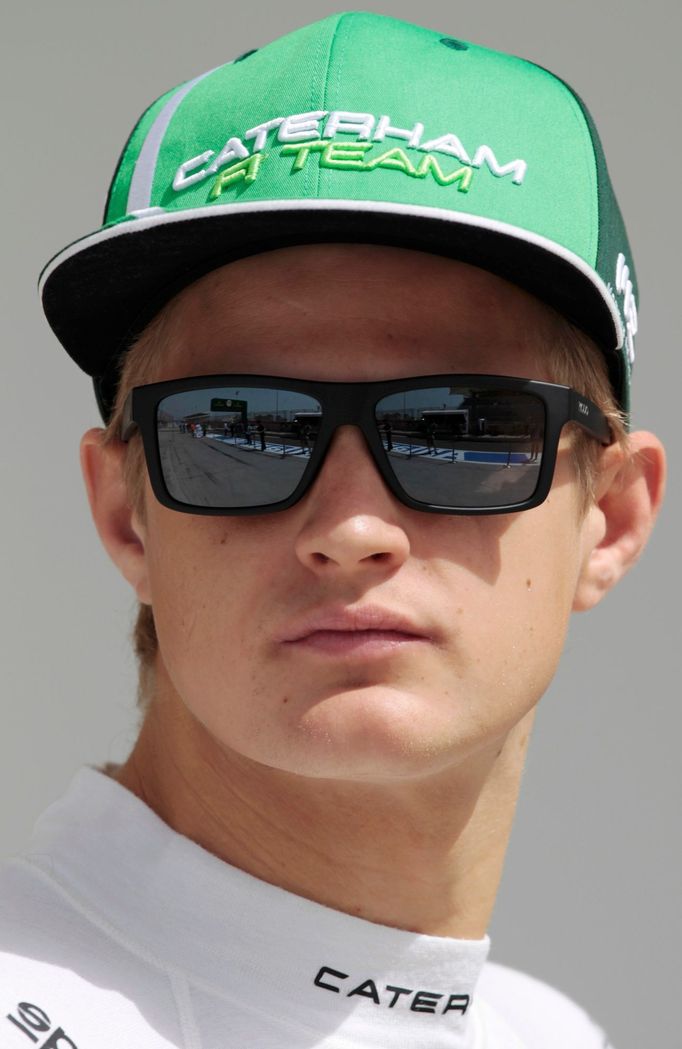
pixel 358 128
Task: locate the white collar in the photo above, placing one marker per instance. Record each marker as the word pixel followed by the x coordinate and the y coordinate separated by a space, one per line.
pixel 186 910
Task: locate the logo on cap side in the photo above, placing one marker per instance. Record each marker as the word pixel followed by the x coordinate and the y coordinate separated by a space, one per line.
pixel 628 306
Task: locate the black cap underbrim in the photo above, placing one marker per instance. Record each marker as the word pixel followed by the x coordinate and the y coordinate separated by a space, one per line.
pixel 99 294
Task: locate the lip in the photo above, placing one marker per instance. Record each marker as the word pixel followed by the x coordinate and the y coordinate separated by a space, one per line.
pixel 370 624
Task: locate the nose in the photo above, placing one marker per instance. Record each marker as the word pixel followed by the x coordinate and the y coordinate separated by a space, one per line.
pixel 352 524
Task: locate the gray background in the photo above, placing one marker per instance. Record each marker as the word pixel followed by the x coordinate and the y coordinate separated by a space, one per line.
pixel 590 896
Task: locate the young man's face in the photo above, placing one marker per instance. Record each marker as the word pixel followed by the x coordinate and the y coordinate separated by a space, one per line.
pixel 490 595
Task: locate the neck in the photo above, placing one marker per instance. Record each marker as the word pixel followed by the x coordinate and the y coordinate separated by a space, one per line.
pixel 424 855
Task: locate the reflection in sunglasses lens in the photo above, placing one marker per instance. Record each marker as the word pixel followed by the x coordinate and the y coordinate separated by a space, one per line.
pixel 459 447
pixel 235 446
pixel 463 447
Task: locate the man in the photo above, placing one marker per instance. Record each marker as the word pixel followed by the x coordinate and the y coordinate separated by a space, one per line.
pixel 364 223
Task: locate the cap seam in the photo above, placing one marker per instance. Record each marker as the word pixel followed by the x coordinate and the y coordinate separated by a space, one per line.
pixel 336 57
pixel 315 174
pixel 336 46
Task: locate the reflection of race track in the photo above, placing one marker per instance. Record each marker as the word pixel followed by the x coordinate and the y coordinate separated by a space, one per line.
pixel 464 478
pixel 279 447
pixel 214 471
pixel 453 454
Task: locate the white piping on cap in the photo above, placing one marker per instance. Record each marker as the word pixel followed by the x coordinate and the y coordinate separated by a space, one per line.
pixel 140 191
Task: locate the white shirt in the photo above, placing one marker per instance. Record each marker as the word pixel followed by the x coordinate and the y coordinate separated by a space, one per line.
pixel 116 932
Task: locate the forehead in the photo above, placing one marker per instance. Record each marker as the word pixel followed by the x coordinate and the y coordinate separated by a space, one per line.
pixel 358 312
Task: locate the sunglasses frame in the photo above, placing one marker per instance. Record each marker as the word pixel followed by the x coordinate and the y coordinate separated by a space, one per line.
pixel 353 403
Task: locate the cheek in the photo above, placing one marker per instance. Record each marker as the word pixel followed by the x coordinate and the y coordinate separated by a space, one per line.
pixel 533 596
pixel 511 586
pixel 206 578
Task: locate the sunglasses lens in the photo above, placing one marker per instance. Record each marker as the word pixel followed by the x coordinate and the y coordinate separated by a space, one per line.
pixel 463 447
pixel 230 447
pixel 458 447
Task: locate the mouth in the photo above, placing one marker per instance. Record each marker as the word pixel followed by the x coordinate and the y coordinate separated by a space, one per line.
pixel 356 642
pixel 366 631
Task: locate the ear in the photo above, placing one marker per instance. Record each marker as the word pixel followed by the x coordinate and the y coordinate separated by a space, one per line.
pixel 628 494
pixel 121 532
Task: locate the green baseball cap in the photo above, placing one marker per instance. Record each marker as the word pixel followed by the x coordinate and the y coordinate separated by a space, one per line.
pixel 357 128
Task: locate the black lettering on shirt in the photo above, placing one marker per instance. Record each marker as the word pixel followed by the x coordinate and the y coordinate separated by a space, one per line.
pixel 326 971
pixel 58 1040
pixel 397 992
pixel 33 1016
pixel 370 992
pixel 460 1002
pixel 425 1002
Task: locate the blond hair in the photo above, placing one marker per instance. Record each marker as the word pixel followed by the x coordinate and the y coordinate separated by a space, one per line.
pixel 573 360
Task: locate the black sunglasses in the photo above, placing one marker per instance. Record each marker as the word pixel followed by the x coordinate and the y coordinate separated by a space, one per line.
pixel 448 444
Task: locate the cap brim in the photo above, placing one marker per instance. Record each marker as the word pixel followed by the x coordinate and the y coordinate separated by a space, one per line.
pixel 100 292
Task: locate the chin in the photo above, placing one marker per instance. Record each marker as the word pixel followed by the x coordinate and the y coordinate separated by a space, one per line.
pixel 374 733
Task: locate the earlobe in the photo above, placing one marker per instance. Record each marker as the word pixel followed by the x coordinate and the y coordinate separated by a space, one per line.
pixel 628 495
pixel 120 531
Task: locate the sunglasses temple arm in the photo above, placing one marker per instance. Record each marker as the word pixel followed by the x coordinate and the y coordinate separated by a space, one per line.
pixel 584 412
